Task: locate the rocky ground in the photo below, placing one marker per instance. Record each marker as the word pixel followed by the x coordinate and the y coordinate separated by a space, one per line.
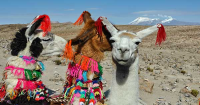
pixel 169 74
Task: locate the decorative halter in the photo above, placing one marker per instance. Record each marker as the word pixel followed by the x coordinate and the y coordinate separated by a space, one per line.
pixel 28 59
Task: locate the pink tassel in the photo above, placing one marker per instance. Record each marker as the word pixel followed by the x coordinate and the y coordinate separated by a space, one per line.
pixel 74 71
pixel 80 74
pixel 26 85
pixel 94 66
pixel 18 86
pixel 95 85
pixel 72 100
pixel 18 71
pixel 42 98
pixel 77 95
pixel 31 85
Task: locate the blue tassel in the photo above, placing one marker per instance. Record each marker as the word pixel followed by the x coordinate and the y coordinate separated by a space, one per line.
pixel 85 76
pixel 82 92
pixel 100 78
pixel 95 81
pixel 42 65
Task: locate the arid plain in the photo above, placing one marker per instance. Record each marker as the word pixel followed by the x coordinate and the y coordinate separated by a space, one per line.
pixel 169 74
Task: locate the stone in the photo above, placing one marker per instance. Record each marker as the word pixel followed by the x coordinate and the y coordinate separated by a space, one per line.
pixel 177 80
pixel 146 85
pixel 187 95
pixel 185 90
pixel 165 88
pixel 165 77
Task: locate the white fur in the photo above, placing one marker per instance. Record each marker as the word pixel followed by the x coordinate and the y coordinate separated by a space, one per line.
pixel 19 62
pixel 147 31
pixel 128 93
pixel 55 47
pixel 10 84
pixel 124 88
pixel 109 26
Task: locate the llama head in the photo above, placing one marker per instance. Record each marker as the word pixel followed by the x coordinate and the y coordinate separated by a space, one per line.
pixel 125 44
pixel 124 47
pixel 35 39
pixel 90 41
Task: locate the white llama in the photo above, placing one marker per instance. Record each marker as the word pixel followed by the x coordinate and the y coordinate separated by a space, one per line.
pixel 125 86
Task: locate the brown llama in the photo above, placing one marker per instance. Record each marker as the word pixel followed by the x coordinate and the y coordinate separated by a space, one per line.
pixel 84 74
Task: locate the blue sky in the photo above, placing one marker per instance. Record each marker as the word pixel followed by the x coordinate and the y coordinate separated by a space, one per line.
pixel 117 11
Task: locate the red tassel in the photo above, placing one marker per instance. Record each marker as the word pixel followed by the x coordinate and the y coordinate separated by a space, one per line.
pixel 98 24
pixel 45 24
pixel 161 35
pixel 101 85
pixel 2 92
pixel 79 21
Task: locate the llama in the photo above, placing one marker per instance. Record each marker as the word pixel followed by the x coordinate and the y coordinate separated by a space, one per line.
pixel 84 74
pixel 125 86
pixel 22 72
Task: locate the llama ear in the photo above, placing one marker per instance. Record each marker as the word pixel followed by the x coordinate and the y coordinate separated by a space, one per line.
pixel 113 31
pixel 161 35
pixel 41 21
pixel 147 31
pixel 84 17
pixel 33 27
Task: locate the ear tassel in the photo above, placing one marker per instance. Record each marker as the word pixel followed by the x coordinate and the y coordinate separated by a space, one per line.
pixel 98 24
pixel 45 24
pixel 161 35
pixel 79 21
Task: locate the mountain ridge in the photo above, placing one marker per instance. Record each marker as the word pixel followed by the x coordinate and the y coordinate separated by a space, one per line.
pixel 153 21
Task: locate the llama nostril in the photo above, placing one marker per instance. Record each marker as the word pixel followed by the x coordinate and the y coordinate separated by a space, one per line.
pixel 123 50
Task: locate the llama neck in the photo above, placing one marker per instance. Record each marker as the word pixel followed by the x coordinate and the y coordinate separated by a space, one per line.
pixel 26 51
pixel 124 88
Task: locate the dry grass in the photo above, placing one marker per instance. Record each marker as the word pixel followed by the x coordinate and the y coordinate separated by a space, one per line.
pixel 181 38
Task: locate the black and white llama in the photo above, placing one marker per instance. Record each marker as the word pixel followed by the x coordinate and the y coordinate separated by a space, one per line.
pixel 22 72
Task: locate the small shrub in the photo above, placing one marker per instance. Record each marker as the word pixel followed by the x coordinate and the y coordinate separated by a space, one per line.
pixel 183 72
pixel 195 92
pixel 149 69
pixel 58 55
pixel 57 62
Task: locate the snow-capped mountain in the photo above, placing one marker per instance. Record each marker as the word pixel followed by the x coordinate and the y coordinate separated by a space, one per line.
pixel 153 21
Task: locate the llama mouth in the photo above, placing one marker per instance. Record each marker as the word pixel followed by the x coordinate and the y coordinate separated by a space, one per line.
pixel 121 60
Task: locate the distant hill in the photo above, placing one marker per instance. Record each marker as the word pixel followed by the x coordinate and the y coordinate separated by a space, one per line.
pixel 153 21
pixel 55 22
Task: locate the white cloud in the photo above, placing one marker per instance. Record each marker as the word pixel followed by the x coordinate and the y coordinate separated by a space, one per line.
pixel 70 9
pixel 93 8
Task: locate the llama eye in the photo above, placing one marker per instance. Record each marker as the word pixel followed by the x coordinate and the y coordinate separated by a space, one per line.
pixel 46 39
pixel 112 41
pixel 137 43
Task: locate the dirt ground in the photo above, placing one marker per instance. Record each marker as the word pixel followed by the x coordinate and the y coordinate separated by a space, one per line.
pixel 179 54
